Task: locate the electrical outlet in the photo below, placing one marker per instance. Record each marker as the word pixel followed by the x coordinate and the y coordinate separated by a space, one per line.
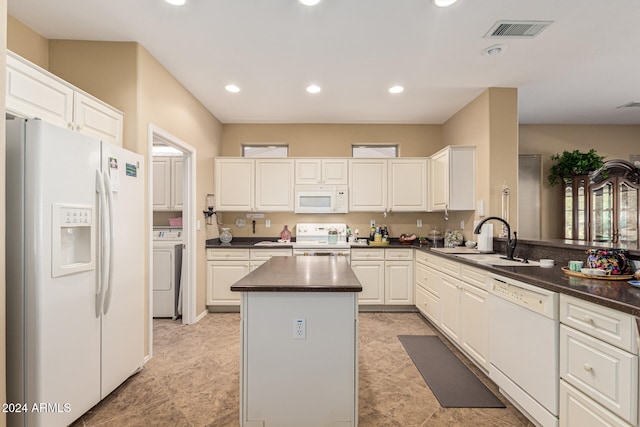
pixel 419 223
pixel 267 223
pixel 299 329
pixel 462 224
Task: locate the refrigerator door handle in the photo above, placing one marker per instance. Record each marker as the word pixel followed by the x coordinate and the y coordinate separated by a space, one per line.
pixel 103 242
pixel 109 289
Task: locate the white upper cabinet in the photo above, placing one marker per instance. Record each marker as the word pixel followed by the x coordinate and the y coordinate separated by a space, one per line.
pixel 321 171
pixel 94 118
pixel 452 179
pixel 274 185
pixel 398 185
pixel 167 183
pixel 407 185
pixel 33 92
pixel 254 184
pixel 368 185
pixel 234 184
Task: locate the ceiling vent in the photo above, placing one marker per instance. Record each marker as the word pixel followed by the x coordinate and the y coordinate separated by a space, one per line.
pixel 516 29
pixel 632 104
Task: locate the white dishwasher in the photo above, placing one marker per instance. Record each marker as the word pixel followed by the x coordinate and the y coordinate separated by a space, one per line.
pixel 523 347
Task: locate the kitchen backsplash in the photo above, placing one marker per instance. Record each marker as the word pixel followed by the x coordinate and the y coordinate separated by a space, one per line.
pixel 397 223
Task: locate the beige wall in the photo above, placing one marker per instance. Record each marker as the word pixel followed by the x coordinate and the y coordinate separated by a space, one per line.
pixel 614 142
pixel 165 103
pixel 3 341
pixel 490 122
pixel 332 140
pixel 27 43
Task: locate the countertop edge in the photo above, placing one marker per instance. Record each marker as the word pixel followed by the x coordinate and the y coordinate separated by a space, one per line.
pixel 563 289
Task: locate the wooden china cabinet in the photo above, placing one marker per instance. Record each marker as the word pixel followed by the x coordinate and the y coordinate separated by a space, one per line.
pixel 604 205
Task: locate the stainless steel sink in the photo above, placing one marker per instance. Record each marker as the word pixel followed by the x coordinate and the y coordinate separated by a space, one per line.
pixel 497 259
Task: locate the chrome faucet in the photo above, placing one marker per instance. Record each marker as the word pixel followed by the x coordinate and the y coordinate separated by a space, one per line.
pixel 511 243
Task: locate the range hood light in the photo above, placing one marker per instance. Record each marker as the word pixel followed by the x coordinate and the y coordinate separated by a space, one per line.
pixel 444 3
pixel 176 2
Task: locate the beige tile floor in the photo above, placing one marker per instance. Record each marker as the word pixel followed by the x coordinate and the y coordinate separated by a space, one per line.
pixel 193 380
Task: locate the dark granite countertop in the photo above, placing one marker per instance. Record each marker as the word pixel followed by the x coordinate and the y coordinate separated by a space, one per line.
pixel 249 242
pixel 300 274
pixel 616 294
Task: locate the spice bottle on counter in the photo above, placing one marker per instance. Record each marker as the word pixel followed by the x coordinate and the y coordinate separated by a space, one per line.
pixel 285 234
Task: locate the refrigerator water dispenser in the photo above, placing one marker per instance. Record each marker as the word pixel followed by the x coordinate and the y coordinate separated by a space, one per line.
pixel 72 239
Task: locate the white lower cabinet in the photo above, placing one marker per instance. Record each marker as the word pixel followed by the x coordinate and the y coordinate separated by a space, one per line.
pixel 386 275
pixel 598 380
pixel 226 266
pixel 427 290
pixel 453 296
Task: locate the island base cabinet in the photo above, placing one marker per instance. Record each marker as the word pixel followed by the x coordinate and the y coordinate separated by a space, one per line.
pixel 289 381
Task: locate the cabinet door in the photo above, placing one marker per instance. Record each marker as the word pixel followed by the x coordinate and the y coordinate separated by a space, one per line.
pixel 274 185
pixel 161 183
pixel 96 119
pixel 439 182
pixel 177 174
pixel 234 183
pixel 450 300
pixel 474 324
pixel 408 185
pixel 428 304
pixel 163 275
pixel 308 171
pixel 398 282
pixel 367 185
pixel 371 276
pixel 334 171
pixel 220 277
pixel 32 92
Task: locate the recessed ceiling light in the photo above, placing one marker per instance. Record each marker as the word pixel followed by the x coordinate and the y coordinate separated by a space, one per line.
pixel 444 3
pixel 396 89
pixel 232 88
pixel 176 2
pixel 313 89
pixel 309 2
pixel 494 50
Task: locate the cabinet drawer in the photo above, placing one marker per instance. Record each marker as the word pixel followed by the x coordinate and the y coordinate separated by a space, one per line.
pixel 228 254
pixel 576 409
pixel 474 276
pixel 428 304
pixel 427 278
pixel 367 254
pixel 422 257
pixel 602 371
pixel 608 325
pixel 452 268
pixel 265 254
pixel 398 254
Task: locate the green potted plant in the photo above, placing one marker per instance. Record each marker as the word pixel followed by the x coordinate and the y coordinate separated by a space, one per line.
pixel 574 163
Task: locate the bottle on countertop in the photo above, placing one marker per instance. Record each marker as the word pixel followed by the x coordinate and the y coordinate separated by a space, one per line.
pixel 377 237
pixel 373 233
pixel 385 233
pixel 285 234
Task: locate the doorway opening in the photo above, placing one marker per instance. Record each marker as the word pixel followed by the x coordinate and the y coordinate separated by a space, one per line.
pixel 186 205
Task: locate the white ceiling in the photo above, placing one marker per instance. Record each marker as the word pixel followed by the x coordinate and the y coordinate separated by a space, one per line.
pixel 577 71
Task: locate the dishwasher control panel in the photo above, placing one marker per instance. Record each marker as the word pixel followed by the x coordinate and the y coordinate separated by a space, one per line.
pixel 528 296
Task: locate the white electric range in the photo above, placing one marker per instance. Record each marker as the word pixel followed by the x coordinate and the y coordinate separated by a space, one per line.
pixel 314 239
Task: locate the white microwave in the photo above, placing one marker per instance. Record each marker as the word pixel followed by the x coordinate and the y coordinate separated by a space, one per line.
pixel 322 198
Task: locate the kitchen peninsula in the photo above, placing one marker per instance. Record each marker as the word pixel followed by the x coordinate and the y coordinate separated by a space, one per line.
pixel 299 330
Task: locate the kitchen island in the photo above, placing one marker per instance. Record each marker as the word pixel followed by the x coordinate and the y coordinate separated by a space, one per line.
pixel 299 331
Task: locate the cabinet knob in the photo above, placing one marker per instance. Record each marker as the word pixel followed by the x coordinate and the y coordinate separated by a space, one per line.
pixel 588 319
pixel 588 367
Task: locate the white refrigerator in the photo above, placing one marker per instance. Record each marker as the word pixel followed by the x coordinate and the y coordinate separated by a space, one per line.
pixel 75 271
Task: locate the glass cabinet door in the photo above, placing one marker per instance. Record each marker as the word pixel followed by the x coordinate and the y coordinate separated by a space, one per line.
pixel 575 207
pixel 627 218
pixel 602 204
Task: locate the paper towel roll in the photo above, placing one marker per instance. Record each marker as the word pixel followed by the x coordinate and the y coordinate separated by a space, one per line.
pixel 485 239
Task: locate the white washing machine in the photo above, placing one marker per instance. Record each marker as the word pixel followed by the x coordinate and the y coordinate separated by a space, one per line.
pixel 167 271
